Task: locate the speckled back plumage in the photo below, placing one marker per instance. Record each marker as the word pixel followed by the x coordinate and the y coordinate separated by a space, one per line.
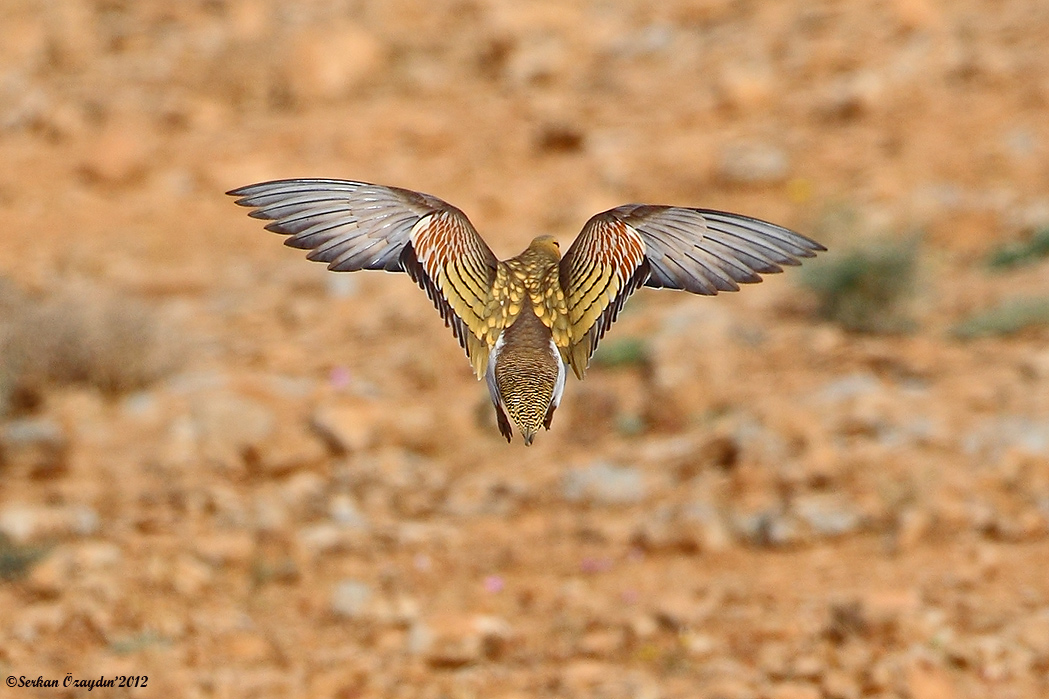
pixel 530 280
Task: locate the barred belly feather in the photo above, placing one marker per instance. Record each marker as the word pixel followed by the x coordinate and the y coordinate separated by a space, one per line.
pixel 526 374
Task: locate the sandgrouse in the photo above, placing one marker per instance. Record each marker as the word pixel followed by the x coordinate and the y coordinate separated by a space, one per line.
pixel 522 320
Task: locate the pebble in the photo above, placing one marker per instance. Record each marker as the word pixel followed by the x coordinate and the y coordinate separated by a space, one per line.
pixel 142 405
pixel 190 576
pixel 1033 633
pixel 916 15
pixel 642 627
pixel 225 549
pixel 304 492
pixel 228 424
pixel 22 523
pixel 340 286
pixel 291 447
pixel 247 648
pixel 883 612
pixel 678 612
pixel 332 62
pixel 344 511
pixel 851 96
pixel 351 599
pixel 714 532
pixel 794 690
pixel 1016 434
pixel 98 555
pixel 808 667
pixel 49 577
pixel 326 538
pixel 420 429
pixel 730 689
pixel 827 514
pixel 929 681
pixel 496 635
pixel 838 684
pixel 604 484
pixel 450 641
pixel 699 645
pixel 270 513
pixel 346 428
pixel 912 527
pixel 600 643
pixel 768 527
pixel 122 154
pixel 746 86
pixel 753 163
pixel 419 638
pixel 693 528
pixel 37 619
pixel 179 446
pixel 250 20
pixel 38 446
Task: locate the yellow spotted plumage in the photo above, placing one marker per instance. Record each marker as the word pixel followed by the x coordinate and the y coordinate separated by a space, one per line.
pixel 523 320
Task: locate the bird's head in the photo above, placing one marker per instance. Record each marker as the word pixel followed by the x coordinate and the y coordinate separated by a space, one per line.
pixel 547 245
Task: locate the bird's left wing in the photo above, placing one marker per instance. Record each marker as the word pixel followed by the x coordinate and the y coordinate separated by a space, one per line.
pixel 356 225
pixel 697 250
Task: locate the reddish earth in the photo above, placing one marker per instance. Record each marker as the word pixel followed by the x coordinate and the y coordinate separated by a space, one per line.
pixel 309 497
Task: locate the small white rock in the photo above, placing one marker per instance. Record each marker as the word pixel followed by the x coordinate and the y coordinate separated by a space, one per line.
pixel 351 598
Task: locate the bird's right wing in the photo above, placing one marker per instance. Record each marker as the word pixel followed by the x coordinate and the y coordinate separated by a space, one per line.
pixel 357 225
pixel 696 250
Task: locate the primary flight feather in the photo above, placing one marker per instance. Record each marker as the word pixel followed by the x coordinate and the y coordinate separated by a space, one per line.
pixel 524 320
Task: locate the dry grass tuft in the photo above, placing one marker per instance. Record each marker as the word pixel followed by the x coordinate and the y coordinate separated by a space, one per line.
pixel 114 344
pixel 1008 318
pixel 16 559
pixel 1021 253
pixel 867 289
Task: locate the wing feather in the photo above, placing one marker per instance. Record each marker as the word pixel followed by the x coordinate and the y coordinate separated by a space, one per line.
pixel 698 250
pixel 357 225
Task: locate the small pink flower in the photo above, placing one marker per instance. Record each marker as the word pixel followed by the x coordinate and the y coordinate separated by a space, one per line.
pixel 595 565
pixel 339 378
pixel 494 584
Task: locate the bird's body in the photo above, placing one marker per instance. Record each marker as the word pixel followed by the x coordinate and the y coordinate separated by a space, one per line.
pixel 523 321
pixel 526 373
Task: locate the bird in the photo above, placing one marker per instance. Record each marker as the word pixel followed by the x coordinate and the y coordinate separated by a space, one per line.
pixel 526 320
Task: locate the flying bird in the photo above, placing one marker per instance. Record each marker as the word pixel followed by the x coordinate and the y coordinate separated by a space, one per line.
pixel 525 320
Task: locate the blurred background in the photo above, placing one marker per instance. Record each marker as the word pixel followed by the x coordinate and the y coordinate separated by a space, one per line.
pixel 227 469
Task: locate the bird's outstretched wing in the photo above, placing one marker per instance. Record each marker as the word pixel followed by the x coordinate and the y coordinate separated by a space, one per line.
pixel 357 225
pixel 697 250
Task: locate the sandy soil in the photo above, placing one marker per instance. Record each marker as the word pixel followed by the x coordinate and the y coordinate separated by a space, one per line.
pixel 312 500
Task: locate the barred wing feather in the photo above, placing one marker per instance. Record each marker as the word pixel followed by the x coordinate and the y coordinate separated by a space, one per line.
pixel 696 250
pixel 356 225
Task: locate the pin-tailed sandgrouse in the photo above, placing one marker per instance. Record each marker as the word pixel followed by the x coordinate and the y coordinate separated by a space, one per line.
pixel 523 320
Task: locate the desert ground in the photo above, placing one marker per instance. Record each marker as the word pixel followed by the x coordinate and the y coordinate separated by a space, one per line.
pixel 240 475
